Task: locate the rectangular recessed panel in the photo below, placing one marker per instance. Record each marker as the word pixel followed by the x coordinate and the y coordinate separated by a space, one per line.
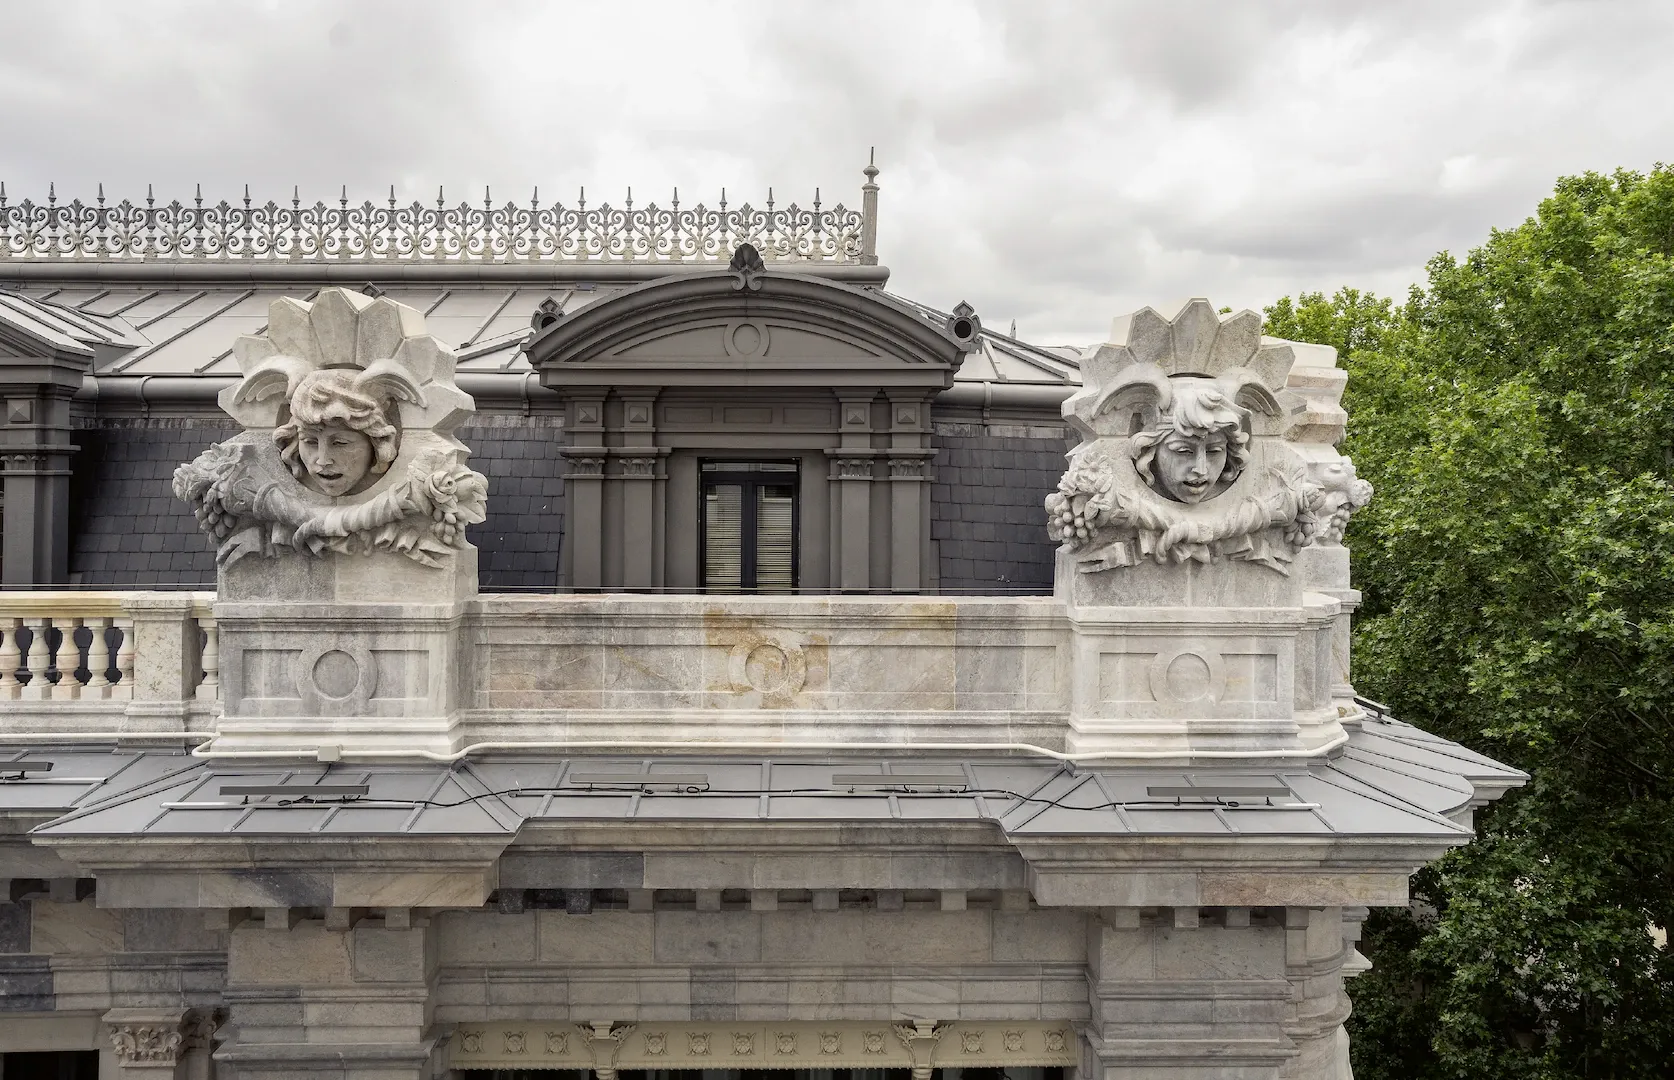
pixel 745 415
pixel 270 673
pixel 1251 677
pixel 688 414
pixel 1125 676
pixel 802 416
pixel 402 673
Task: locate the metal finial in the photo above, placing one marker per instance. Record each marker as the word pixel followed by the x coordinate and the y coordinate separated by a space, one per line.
pixel 581 200
pixel 1014 329
pixel 197 196
pixel 535 199
pixel 487 198
pixel 676 206
pixel 246 196
pixel 344 197
pixel 816 200
pixel 392 196
pixel 2 193
pixel 296 196
pixel 769 200
pixel 723 200
pixel 101 193
pixel 438 196
pixel 630 205
pixel 150 199
pixel 52 192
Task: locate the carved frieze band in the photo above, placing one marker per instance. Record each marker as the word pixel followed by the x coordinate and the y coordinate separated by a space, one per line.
pixel 608 1048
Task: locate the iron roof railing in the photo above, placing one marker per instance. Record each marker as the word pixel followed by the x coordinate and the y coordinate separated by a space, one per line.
pixel 369 233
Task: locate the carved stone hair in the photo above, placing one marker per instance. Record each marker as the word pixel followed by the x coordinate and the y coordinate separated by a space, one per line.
pixel 1200 408
pixel 336 395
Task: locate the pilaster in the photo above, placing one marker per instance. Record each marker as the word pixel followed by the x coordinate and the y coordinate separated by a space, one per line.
pixel 308 1002
pixel 852 471
pixel 583 554
pixel 1175 996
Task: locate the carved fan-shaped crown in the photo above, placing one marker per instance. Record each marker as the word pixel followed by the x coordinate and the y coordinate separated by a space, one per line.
pixel 344 329
pixel 1127 380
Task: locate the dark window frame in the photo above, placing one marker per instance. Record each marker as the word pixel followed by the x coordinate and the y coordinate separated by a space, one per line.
pixel 748 481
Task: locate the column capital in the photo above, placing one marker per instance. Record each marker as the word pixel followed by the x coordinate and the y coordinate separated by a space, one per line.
pixel 150 1039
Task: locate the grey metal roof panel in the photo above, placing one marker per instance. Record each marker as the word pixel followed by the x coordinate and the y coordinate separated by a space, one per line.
pixel 1360 793
pixel 190 329
pixel 81 776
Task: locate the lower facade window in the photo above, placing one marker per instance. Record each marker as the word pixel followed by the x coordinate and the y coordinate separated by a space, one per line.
pixel 749 526
pixel 51 1065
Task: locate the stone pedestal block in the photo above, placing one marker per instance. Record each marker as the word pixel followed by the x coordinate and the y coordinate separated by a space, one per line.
pixel 1225 657
pixel 350 675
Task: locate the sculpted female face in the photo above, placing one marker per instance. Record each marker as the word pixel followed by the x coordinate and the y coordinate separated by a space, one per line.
pixel 335 457
pixel 1187 466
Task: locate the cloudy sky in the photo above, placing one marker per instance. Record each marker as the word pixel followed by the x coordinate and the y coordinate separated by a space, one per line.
pixel 1053 163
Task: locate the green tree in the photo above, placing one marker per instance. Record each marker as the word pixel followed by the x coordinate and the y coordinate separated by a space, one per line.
pixel 1516 416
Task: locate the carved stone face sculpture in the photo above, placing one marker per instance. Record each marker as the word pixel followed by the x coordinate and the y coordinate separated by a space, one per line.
pixel 1187 466
pixel 1197 448
pixel 338 437
pixel 335 457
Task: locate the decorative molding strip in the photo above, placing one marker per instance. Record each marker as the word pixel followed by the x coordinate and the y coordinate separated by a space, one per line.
pixel 789 1044
pixel 270 232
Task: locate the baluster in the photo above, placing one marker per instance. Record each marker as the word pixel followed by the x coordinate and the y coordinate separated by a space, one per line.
pixel 69 686
pixel 210 688
pixel 10 659
pixel 98 660
pixel 125 661
pixel 35 662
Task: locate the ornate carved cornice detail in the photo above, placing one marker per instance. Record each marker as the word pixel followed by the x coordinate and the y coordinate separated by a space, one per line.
pixel 910 468
pixel 851 467
pixel 158 1043
pixel 639 468
pixel 791 1044
pixel 585 465
pixel 391 233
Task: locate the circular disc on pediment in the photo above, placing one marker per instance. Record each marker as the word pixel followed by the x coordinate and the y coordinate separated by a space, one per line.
pixel 745 338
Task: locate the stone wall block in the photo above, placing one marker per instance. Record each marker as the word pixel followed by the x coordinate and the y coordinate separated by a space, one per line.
pixel 390 955
pixel 701 937
pixel 1040 937
pixel 862 937
pixel 306 955
pixel 79 929
pixel 602 938
pixel 479 937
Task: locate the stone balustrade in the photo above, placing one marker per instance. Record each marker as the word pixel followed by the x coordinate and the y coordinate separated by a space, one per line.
pixel 594 671
pixel 77 661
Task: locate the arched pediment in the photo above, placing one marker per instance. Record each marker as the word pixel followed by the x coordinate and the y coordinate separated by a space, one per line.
pixel 761 329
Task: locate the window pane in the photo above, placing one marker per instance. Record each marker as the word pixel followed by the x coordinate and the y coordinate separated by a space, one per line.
pixel 775 538
pixel 723 519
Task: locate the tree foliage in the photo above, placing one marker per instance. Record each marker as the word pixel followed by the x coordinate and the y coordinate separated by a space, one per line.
pixel 1516 416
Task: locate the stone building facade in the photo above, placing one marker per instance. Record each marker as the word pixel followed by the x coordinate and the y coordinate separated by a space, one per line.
pixel 533 641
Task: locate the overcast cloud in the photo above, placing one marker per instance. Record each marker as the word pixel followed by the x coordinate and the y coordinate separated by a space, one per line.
pixel 1053 163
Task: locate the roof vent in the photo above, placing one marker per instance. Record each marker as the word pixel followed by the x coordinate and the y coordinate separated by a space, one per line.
pixel 546 313
pixel 965 326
